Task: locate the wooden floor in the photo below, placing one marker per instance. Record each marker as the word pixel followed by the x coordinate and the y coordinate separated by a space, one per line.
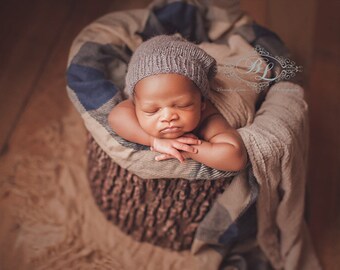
pixel 324 158
pixel 32 33
pixel 37 34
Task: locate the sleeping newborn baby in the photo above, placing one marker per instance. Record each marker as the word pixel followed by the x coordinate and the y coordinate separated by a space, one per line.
pixel 168 81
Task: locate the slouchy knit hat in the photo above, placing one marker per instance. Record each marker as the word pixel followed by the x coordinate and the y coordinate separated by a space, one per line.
pixel 170 54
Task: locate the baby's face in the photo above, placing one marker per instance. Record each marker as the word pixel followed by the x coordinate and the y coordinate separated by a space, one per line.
pixel 168 105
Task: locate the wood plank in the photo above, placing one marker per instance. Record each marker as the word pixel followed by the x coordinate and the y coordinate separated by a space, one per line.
pixel 49 95
pixel 294 22
pixel 31 29
pixel 324 169
pixel 257 9
pixel 29 46
pixel 324 140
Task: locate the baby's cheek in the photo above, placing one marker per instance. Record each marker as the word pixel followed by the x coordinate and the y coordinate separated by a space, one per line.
pixel 193 120
pixel 149 126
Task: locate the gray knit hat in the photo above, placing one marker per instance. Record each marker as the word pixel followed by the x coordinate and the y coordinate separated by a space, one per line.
pixel 170 54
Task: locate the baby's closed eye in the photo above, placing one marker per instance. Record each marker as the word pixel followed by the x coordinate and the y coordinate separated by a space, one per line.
pixel 150 110
pixel 183 106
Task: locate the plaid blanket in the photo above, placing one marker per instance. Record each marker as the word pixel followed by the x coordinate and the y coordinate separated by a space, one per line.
pixel 95 83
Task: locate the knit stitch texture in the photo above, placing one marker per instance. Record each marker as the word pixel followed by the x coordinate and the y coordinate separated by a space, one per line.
pixel 171 54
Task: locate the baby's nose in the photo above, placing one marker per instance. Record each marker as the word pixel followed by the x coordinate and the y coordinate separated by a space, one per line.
pixel 169 114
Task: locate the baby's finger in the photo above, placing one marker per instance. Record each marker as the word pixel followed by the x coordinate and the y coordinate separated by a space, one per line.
pixel 185 147
pixel 163 157
pixel 176 154
pixel 190 135
pixel 188 140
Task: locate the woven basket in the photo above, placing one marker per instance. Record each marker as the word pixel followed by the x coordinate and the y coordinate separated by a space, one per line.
pixel 164 212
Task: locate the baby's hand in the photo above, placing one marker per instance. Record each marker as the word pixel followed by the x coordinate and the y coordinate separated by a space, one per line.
pixel 170 147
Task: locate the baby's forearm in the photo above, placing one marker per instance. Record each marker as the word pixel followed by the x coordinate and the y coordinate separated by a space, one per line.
pixel 124 122
pixel 220 156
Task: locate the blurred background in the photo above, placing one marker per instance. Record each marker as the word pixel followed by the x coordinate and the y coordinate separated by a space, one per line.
pixel 36 36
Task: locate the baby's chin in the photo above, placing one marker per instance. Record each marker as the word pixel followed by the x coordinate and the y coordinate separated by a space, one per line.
pixel 170 135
